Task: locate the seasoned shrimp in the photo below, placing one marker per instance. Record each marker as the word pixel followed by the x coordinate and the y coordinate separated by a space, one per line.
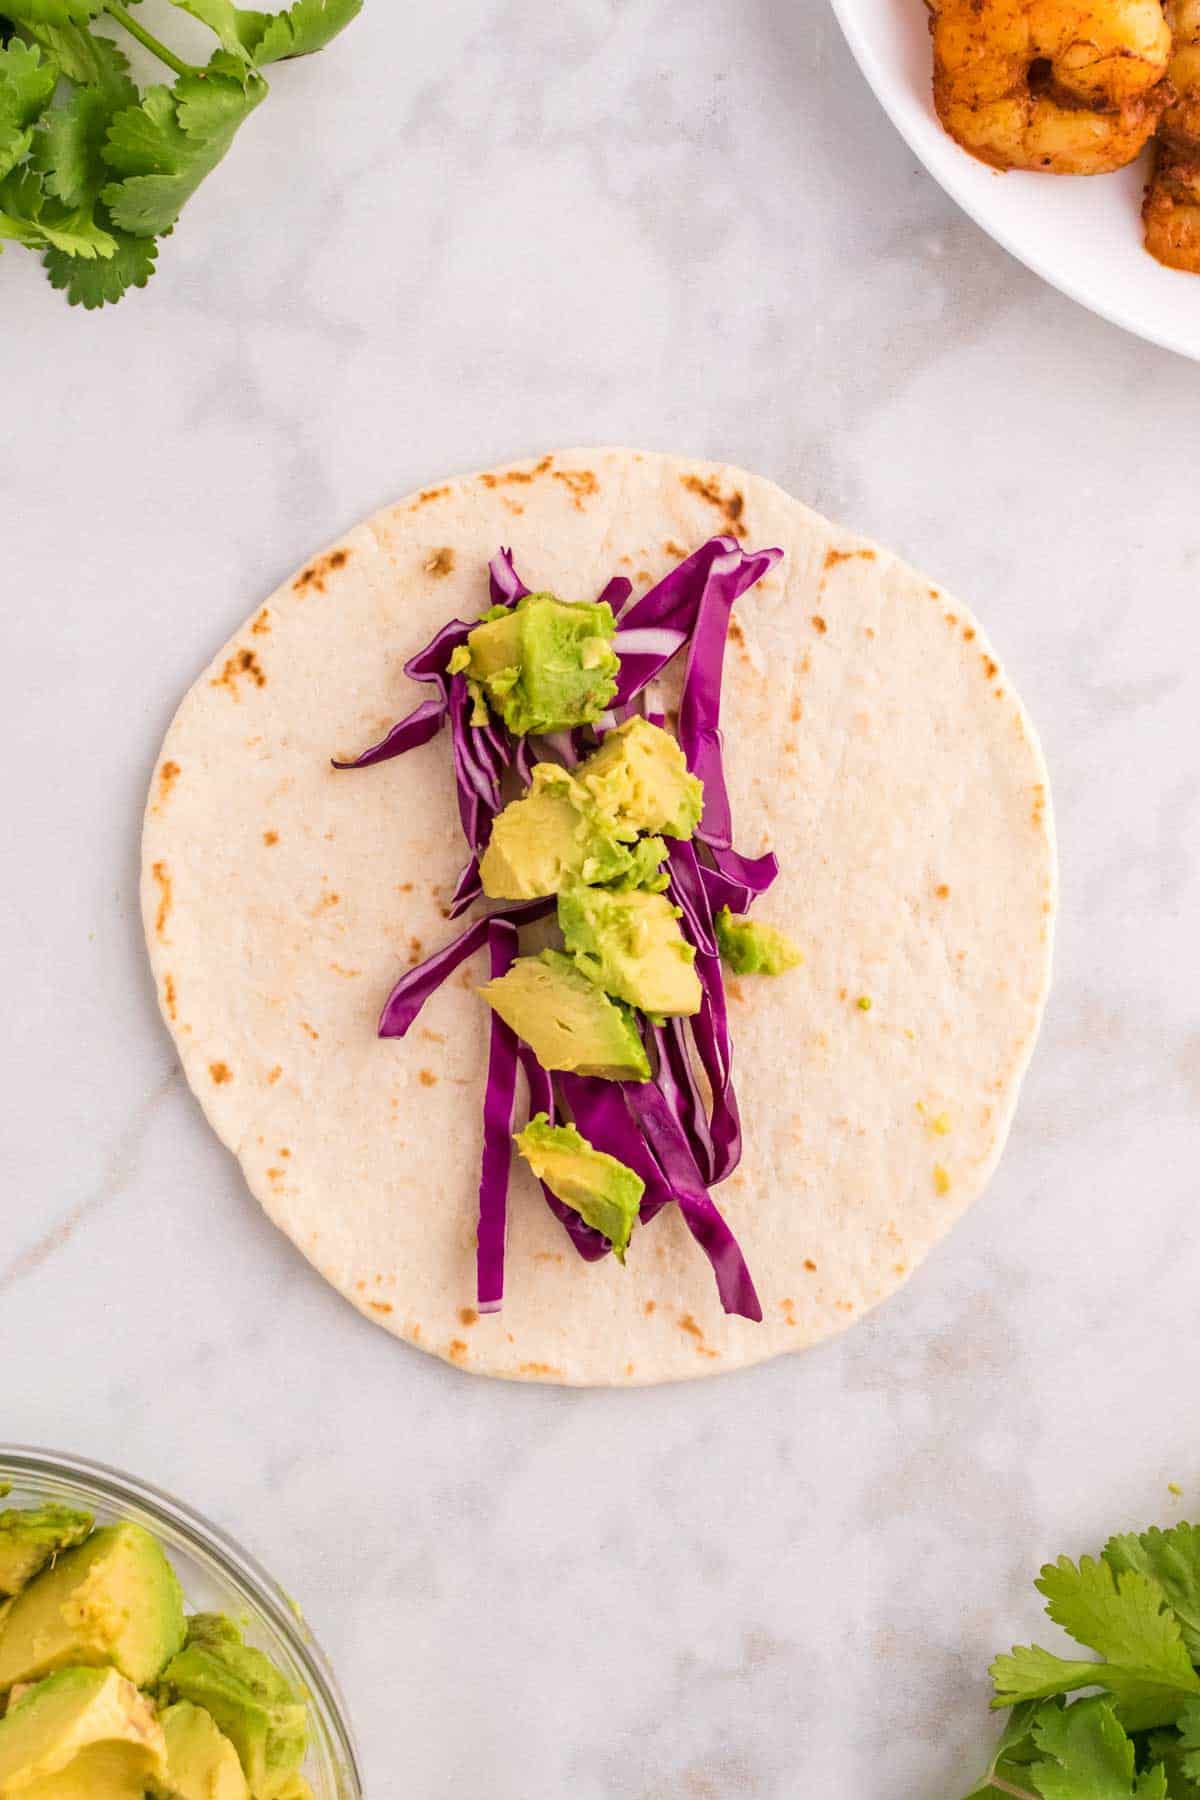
pixel 1173 197
pixel 1074 87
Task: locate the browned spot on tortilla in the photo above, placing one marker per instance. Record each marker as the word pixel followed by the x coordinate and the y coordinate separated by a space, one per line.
pixel 797 712
pixel 900 1268
pixel 432 1037
pixel 468 1316
pixel 346 974
pixel 169 997
pixel 731 506
pixel 220 1072
pixel 733 988
pixel 262 623
pixel 968 632
pixel 629 1368
pixel 415 1334
pixel 951 618
pixel 674 549
pixel 819 623
pixel 273 1077
pixel 326 901
pixel 517 475
pixel 990 668
pixel 270 837
pixel 833 557
pixel 512 506
pixel 380 1306
pixel 942 891
pixel 1039 803
pixel 649 1308
pixel 440 562
pixel 536 1368
pixel 305 1026
pixel 842 992
pixel 242 662
pixel 414 950
pixel 274 1176
pixel 810 1265
pixel 284 1151
pixel 736 632
pixel 688 1324
pixel 162 876
pixel 788 1309
pixel 791 746
pixel 546 1256
pixel 314 575
pixel 428 1078
pixel 457 1349
pixel 168 775
pixel 581 484
pixel 426 495
pixel 933 594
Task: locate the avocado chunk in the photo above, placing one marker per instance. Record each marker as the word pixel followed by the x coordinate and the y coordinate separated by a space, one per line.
pixel 630 944
pixel 115 1599
pixel 545 664
pixel 202 1764
pixel 552 834
pixel 604 1192
pixel 81 1734
pixel 639 777
pixel 566 1020
pixel 31 1536
pixel 749 948
pixel 249 1700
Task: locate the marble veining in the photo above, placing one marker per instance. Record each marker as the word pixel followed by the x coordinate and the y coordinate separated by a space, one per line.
pixel 475 231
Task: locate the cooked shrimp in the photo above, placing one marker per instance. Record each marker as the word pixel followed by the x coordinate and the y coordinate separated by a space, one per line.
pixel 1074 87
pixel 1173 197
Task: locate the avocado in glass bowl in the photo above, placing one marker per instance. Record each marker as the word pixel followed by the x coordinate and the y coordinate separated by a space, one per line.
pixel 143 1652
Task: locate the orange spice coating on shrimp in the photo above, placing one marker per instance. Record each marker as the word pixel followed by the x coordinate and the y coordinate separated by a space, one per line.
pixel 1071 87
pixel 1172 208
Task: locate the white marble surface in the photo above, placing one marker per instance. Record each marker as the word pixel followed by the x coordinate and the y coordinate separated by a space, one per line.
pixel 479 230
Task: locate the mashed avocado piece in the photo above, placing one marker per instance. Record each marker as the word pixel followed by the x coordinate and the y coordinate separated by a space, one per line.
pixel 81 1734
pixel 602 1190
pixel 31 1536
pixel 545 664
pixel 645 870
pixel 114 1599
pixel 202 1764
pixel 630 944
pixel 566 1020
pixel 639 778
pixel 249 1700
pixel 753 949
pixel 554 833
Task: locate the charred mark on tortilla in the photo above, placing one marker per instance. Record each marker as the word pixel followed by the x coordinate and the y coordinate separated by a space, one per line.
pixel 580 483
pixel 162 877
pixel 833 557
pixel 730 506
pixel 440 562
pixel 314 575
pixel 220 1072
pixel 168 775
pixel 244 662
pixel 521 476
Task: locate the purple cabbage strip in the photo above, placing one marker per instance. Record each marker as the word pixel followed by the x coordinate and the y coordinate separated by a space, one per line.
pixel 673 605
pixel 504 583
pixel 599 1111
pixel 615 593
pixel 677 1080
pixel 590 1243
pixel 420 725
pixel 666 1137
pixel 710 1026
pixel 467 890
pixel 736 881
pixel 416 985
pixel 499 1107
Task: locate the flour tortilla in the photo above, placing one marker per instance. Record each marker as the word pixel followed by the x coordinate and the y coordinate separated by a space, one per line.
pixel 872 739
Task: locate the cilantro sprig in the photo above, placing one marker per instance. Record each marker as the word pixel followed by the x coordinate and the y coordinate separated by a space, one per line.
pixel 1137 1606
pixel 93 170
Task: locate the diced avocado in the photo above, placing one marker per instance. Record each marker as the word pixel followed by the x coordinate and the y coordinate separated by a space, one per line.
pixel 294 1788
pixel 553 833
pixel 749 948
pixel 645 870
pixel 29 1537
pixel 604 1192
pixel 114 1599
pixel 251 1702
pixel 547 664
pixel 81 1734
pixel 639 777
pixel 566 1020
pixel 202 1764
pixel 630 944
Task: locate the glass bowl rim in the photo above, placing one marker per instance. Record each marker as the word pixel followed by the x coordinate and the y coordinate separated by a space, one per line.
pixel 260 1589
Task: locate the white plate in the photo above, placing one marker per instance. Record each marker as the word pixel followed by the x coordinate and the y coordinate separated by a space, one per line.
pixel 1082 233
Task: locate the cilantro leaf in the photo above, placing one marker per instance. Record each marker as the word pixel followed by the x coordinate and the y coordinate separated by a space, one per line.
pixel 1087 1756
pixel 1007 1773
pixel 93 284
pixel 81 55
pixel 1172 1558
pixel 52 12
pixel 70 147
pixel 307 26
pixel 31 216
pixel 233 26
pixel 27 82
pixel 165 147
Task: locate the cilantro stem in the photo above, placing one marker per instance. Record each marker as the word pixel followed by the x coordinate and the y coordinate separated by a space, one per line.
pixel 156 48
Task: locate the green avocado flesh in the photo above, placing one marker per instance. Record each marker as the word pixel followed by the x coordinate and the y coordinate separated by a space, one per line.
pixel 81 1734
pixel 630 944
pixel 749 948
pixel 114 1599
pixel 202 1764
pixel 248 1699
pixel 553 834
pixel 604 1192
pixel 638 777
pixel 29 1538
pixel 566 1020
pixel 547 664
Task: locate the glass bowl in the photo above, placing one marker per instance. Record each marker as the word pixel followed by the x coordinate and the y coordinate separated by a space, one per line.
pixel 217 1576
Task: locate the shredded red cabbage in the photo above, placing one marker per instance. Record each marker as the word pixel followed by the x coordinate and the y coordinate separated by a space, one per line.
pixel 679 1143
pixel 499 1113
